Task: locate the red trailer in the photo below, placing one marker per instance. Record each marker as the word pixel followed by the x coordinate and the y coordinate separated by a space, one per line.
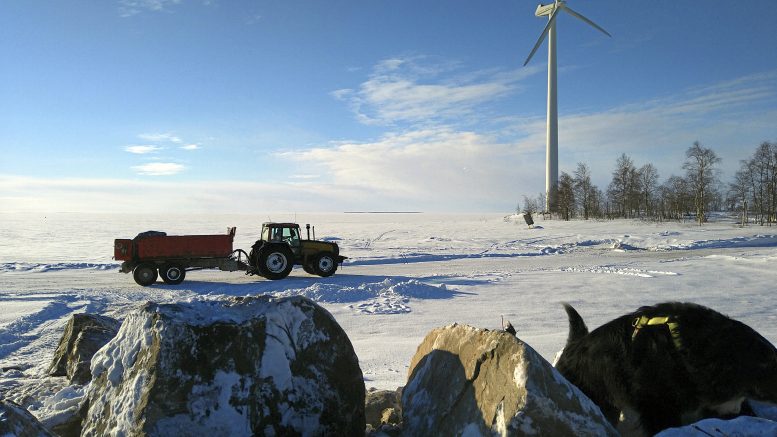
pixel 171 255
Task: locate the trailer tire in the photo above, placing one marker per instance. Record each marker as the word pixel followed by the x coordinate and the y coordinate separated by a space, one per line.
pixel 145 274
pixel 172 274
pixel 275 261
pixel 325 264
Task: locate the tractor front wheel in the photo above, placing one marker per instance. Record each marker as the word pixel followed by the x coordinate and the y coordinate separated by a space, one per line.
pixel 325 265
pixel 145 274
pixel 275 262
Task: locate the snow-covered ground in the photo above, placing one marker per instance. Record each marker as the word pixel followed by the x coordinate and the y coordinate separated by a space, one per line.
pixel 406 274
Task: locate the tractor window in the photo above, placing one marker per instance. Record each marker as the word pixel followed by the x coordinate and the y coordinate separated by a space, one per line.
pixel 266 234
pixel 291 235
pixel 276 234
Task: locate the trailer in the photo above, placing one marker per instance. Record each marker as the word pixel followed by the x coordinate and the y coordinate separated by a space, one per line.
pixel 154 254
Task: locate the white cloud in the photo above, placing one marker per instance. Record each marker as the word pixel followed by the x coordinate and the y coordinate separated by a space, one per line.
pixel 417 90
pixel 142 150
pixel 429 169
pixel 159 169
pixel 190 147
pixel 128 8
pixel 159 137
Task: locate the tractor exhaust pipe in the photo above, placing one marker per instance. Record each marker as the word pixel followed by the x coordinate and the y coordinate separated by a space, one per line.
pixel 308 228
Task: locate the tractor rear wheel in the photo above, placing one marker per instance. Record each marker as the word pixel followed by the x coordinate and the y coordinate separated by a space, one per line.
pixel 145 274
pixel 172 274
pixel 325 265
pixel 275 261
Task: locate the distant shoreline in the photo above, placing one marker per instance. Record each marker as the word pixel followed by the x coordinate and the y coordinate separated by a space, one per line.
pixel 382 212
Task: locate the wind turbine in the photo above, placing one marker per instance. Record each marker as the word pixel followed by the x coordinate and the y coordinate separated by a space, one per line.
pixel 551 150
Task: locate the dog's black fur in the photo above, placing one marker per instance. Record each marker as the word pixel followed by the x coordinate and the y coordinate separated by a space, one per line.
pixel 719 361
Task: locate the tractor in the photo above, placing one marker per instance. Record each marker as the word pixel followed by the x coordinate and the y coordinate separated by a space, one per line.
pixel 281 247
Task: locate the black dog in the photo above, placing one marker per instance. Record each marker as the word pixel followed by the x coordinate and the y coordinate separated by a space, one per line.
pixel 668 365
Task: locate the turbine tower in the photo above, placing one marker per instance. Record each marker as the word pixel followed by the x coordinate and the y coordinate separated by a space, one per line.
pixel 551 150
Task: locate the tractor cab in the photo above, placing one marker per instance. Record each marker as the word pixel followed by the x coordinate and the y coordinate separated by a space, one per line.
pixel 283 233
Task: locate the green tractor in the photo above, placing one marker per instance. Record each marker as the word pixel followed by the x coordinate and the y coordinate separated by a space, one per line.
pixel 281 247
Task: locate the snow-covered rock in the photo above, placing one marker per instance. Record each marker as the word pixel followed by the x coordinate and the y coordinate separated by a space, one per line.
pixel 84 335
pixel 16 421
pixel 743 426
pixel 237 367
pixel 468 381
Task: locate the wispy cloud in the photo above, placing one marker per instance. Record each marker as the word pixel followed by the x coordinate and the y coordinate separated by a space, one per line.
pixel 142 150
pixel 190 147
pixel 128 8
pixel 159 169
pixel 161 137
pixel 421 90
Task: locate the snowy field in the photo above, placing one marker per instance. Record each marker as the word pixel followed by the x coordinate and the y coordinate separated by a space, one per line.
pixel 406 274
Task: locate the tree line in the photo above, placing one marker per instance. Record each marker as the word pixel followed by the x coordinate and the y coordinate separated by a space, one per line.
pixel 637 192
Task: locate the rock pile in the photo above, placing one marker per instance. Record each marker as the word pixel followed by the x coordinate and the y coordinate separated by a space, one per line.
pixel 283 366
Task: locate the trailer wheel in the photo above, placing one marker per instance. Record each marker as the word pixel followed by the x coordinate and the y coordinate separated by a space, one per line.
pixel 275 261
pixel 172 274
pixel 145 274
pixel 325 265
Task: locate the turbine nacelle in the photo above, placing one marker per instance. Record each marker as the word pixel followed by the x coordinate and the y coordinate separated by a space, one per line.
pixel 552 11
pixel 545 10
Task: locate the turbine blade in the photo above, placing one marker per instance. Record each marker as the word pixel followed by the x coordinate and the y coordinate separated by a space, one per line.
pixel 578 15
pixel 542 36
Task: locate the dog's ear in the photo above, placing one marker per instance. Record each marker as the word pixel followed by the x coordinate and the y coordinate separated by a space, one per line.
pixel 577 327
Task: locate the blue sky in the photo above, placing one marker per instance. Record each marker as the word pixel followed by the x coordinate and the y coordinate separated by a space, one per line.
pixel 291 106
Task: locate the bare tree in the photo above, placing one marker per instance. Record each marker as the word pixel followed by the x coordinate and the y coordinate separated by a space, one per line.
pixel 529 205
pixel 675 197
pixel 763 168
pixel 621 189
pixel 740 191
pixel 648 177
pixel 584 189
pixel 702 176
pixel 565 196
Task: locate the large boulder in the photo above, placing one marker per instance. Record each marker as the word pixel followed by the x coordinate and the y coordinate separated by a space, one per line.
pixel 464 380
pixel 84 335
pixel 16 421
pixel 237 367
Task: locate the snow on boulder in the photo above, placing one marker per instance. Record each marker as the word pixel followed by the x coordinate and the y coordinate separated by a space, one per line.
pixel 237 367
pixel 468 381
pixel 743 426
pixel 16 421
pixel 84 335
